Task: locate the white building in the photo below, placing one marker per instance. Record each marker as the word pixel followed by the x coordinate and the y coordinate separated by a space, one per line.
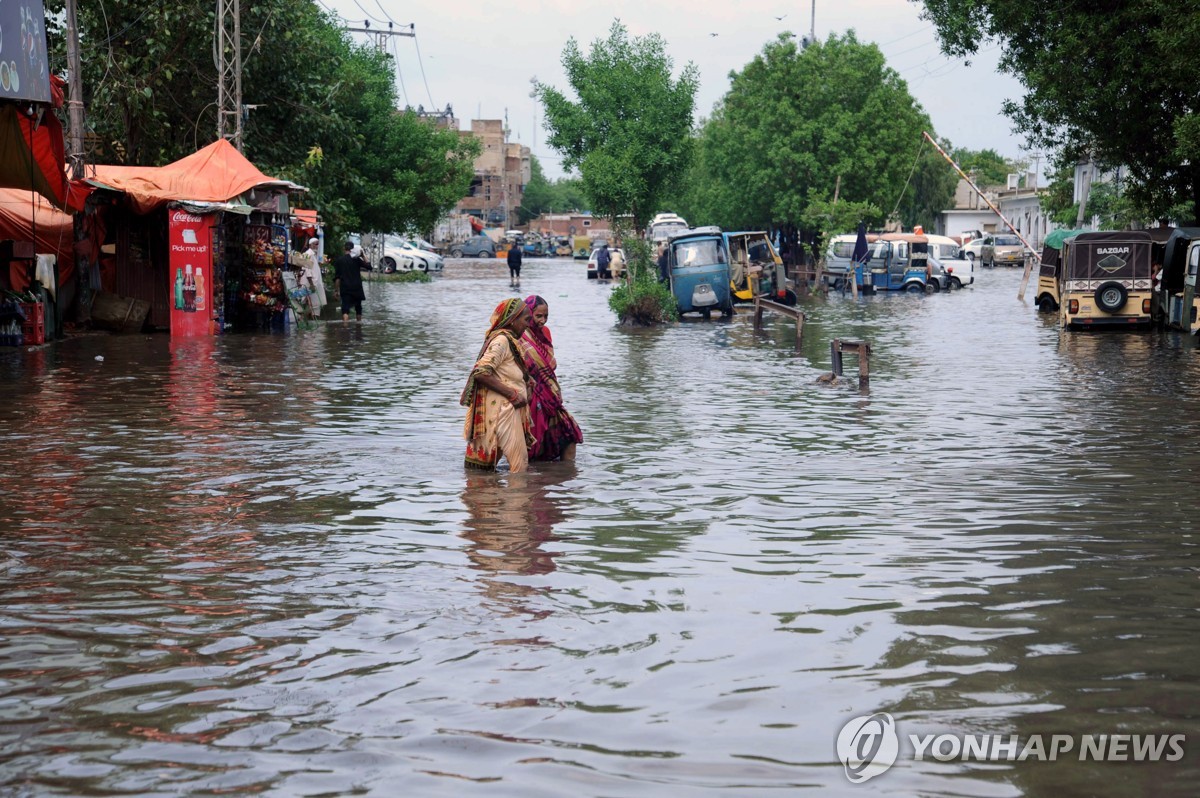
pixel 1020 202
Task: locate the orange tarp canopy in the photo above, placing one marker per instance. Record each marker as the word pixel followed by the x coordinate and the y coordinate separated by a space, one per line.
pixel 217 173
pixel 26 216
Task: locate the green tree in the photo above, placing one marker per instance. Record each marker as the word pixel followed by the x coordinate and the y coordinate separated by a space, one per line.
pixel 326 112
pixel 930 189
pixel 989 167
pixel 799 126
pixel 539 193
pixel 628 136
pixel 1114 80
pixel 1058 200
pixel 627 133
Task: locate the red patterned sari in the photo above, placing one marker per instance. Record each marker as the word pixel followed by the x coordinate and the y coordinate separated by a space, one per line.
pixel 553 427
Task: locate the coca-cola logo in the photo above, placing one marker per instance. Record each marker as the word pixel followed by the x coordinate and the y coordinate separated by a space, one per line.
pixel 183 217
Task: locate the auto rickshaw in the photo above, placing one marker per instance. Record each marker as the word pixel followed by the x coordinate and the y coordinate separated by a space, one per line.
pixel 1178 300
pixel 898 262
pixel 1054 251
pixel 700 273
pixel 1047 287
pixel 756 270
pixel 1106 280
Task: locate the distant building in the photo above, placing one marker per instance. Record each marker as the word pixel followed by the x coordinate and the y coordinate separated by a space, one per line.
pixel 502 170
pixel 1019 201
pixel 570 224
pixel 1021 204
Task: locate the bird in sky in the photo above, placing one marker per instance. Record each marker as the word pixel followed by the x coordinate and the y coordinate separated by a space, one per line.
pixel 714 34
pixel 781 19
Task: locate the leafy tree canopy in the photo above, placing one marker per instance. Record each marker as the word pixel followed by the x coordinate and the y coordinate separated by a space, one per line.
pixel 1113 80
pixel 326 114
pixel 990 167
pixel 627 131
pixel 543 196
pixel 801 126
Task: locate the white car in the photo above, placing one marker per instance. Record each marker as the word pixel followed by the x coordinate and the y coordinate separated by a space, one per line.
pixel 971 249
pixel 960 271
pixel 401 254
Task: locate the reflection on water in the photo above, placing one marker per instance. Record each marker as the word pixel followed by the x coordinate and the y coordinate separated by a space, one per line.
pixel 256 563
pixel 511 519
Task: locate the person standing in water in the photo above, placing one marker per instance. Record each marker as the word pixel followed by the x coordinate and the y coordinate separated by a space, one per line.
pixel 554 429
pixel 514 266
pixel 497 394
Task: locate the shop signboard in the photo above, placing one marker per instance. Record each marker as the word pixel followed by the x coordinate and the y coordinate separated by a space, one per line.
pixel 190 272
pixel 23 71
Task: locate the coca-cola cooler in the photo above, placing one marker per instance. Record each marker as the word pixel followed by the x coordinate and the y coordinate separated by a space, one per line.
pixel 191 273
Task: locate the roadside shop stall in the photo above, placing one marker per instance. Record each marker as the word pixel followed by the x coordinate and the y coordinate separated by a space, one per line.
pixel 202 241
pixel 34 190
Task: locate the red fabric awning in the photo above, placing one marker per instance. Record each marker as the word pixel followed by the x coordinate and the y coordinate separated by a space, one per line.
pixel 31 150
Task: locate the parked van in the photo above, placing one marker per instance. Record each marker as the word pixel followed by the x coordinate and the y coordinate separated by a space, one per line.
pixel 1106 280
pixel 947 253
pixel 838 255
pixel 663 226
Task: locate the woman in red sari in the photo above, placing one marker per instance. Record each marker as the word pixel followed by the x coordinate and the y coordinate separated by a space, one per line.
pixel 554 430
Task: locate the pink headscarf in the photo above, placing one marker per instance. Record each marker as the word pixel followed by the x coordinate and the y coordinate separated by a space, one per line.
pixel 537 331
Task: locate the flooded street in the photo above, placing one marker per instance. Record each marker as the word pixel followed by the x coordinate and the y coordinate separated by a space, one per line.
pixel 256 564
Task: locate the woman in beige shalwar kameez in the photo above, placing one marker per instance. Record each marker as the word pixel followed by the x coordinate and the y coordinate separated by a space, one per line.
pixel 497 394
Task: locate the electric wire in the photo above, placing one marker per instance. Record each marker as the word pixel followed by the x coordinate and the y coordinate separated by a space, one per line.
pixel 369 13
pixel 421 63
pixel 913 171
pixel 399 74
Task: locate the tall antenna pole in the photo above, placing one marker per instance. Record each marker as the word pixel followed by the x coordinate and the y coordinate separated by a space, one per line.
pixel 812 33
pixel 229 72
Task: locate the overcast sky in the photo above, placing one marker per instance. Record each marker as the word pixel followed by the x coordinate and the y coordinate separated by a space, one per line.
pixel 480 56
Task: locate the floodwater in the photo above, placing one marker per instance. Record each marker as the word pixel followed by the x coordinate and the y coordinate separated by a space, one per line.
pixel 257 565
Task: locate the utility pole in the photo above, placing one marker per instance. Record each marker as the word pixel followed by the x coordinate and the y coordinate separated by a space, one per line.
pixel 381 36
pixel 229 72
pixel 83 276
pixel 75 87
pixel 812 33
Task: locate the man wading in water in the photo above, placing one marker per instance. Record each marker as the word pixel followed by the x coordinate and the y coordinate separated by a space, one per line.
pixel 514 266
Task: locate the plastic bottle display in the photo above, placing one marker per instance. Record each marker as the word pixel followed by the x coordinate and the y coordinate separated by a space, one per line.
pixel 179 289
pixel 200 303
pixel 189 290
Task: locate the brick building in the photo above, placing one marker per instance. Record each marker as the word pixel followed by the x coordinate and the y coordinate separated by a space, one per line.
pixel 501 172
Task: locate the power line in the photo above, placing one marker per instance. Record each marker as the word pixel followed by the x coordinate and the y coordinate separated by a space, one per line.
pixel 421 63
pixel 399 74
pixel 368 13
